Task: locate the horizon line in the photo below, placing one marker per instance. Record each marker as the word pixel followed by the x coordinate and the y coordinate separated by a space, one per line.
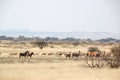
pixel 27 30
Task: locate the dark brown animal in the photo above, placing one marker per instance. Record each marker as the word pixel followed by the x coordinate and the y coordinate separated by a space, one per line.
pixel 23 54
pixel 68 55
pixel 30 54
pixel 98 54
pixel 76 55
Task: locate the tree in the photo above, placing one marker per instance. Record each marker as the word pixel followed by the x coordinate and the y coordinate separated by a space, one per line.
pixel 93 49
pixel 90 60
pixel 41 44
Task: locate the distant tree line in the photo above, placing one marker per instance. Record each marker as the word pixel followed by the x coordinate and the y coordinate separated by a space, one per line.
pixel 55 39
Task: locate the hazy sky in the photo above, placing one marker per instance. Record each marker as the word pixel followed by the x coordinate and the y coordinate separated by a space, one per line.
pixel 60 15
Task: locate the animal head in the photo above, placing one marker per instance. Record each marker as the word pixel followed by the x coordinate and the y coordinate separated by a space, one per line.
pixel 32 53
pixel 27 51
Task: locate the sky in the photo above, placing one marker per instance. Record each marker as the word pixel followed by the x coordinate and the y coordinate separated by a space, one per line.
pixel 60 15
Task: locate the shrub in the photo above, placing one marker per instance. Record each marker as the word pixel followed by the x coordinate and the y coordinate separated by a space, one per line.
pixel 93 49
pixel 76 43
pixel 41 44
pixel 116 56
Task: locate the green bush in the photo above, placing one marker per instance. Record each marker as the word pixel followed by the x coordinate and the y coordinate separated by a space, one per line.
pixel 93 49
pixel 41 44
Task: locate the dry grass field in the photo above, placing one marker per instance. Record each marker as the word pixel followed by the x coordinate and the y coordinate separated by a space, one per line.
pixel 50 67
pixel 63 70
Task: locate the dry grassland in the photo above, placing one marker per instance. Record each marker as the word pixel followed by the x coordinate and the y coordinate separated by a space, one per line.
pixel 50 67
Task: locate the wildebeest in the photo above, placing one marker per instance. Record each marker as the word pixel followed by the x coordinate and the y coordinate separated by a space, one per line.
pixel 30 54
pixel 23 54
pixel 98 54
pixel 76 54
pixel 68 55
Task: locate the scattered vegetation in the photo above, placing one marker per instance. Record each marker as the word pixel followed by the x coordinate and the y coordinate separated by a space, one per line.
pixel 93 49
pixel 91 60
pixel 66 45
pixel 116 56
pixel 54 39
pixel 41 44
pixel 76 43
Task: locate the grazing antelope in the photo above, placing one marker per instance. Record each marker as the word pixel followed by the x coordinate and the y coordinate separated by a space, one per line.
pixel 68 55
pixel 93 54
pixel 23 54
pixel 76 55
pixel 98 54
pixel 30 54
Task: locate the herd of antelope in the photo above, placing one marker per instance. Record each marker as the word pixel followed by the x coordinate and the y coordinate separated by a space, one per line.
pixel 67 55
